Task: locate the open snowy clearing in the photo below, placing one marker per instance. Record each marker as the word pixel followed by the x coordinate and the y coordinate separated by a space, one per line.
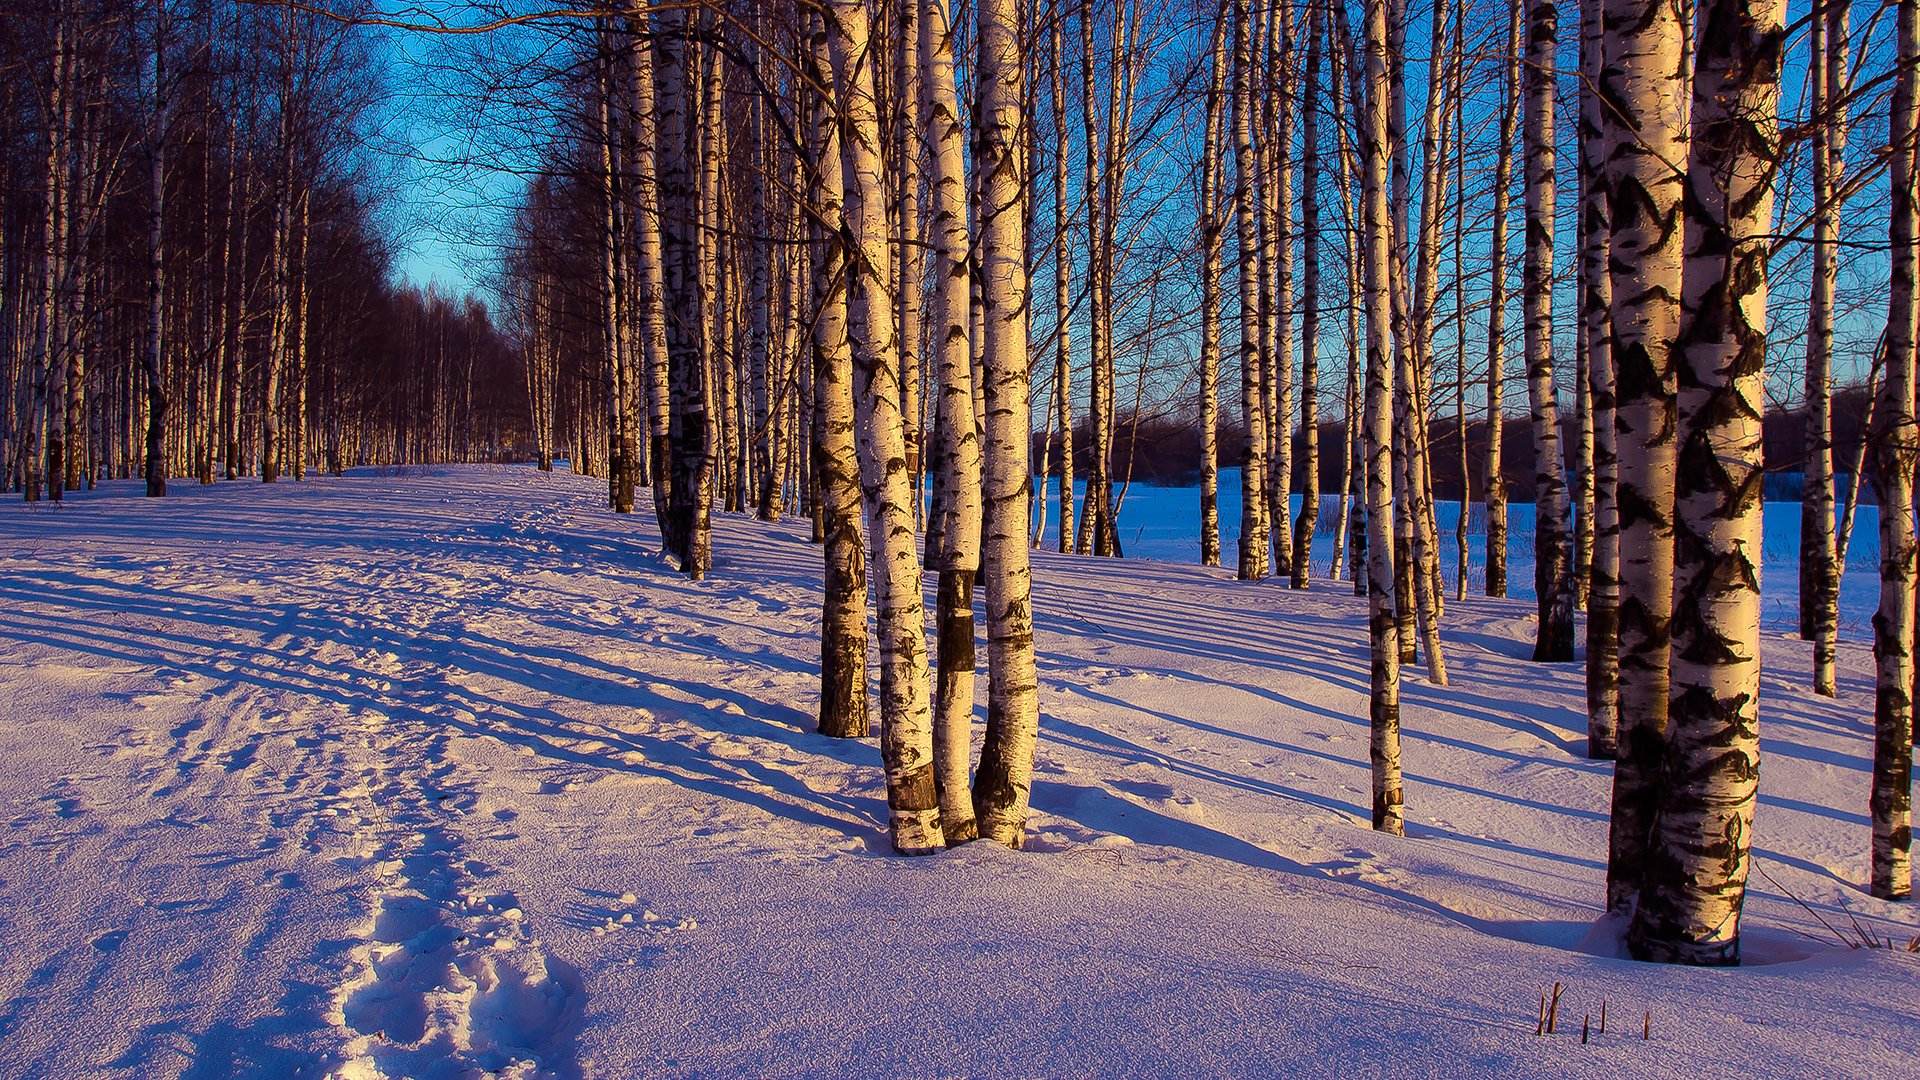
pixel 442 775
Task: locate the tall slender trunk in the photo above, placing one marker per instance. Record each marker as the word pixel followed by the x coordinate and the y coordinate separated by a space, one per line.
pixel 1553 541
pixel 1211 226
pixel 1062 281
pixel 843 610
pixel 1309 518
pixel 958 451
pixel 1697 865
pixel 1643 116
pixel 911 262
pixel 1891 799
pixel 1280 209
pixel 1389 799
pixel 906 724
pixel 1596 314
pixel 648 265
pixel 1495 476
pixel 690 425
pixel 1013 699
pixel 1819 558
pixel 1253 536
pixel 613 290
pixel 155 358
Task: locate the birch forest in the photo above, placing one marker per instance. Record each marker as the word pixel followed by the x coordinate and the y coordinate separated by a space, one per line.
pixel 1381 297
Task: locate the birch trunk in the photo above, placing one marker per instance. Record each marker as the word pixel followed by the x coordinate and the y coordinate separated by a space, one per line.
pixel 1553 542
pixel 1891 799
pixel 1013 701
pixel 1697 866
pixel 1280 418
pixel 1389 810
pixel 1819 558
pixel 1596 314
pixel 613 290
pixel 1495 468
pixel 690 425
pixel 648 264
pixel 1309 311
pixel 1211 226
pixel 155 356
pixel 1062 280
pixel 843 611
pixel 911 263
pixel 1253 538
pixel 958 453
pixel 906 724
pixel 1645 130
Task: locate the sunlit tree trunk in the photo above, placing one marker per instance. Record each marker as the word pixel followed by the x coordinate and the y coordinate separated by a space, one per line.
pixel 1891 799
pixel 1212 224
pixel 1495 465
pixel 689 538
pixel 1062 281
pixel 1646 136
pixel 1553 541
pixel 958 453
pixel 648 265
pixel 843 612
pixel 1013 701
pixel 1280 355
pixel 1389 810
pixel 1253 537
pixel 1309 310
pixel 906 720
pixel 1819 558
pixel 1698 861
pixel 1596 314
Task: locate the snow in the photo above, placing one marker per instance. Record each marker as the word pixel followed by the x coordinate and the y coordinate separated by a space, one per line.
pixel 448 775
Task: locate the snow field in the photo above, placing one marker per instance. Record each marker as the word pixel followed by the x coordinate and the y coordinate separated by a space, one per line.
pixel 448 775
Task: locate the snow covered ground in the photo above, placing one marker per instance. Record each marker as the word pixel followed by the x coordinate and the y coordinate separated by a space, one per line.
pixel 446 774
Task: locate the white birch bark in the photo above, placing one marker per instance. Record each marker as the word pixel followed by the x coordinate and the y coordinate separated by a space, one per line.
pixel 1819 557
pixel 1890 801
pixel 1253 539
pixel 1389 799
pixel 1643 95
pixel 959 452
pixel 1005 781
pixel 1495 468
pixel 1211 226
pixel 906 722
pixel 1697 865
pixel 1596 314
pixel 1553 541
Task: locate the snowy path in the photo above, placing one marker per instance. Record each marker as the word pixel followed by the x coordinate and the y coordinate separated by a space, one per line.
pixel 448 775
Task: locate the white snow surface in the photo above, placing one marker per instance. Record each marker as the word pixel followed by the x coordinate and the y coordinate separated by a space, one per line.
pixel 448 774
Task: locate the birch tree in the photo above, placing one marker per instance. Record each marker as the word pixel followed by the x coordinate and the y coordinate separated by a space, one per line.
pixel 1696 869
pixel 1553 540
pixel 1253 519
pixel 1005 781
pixel 1644 126
pixel 906 722
pixel 843 610
pixel 1389 799
pixel 1819 557
pixel 1496 479
pixel 1596 317
pixel 1890 801
pixel 959 450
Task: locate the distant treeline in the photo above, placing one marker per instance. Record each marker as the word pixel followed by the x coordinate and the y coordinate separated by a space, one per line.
pixel 1165 450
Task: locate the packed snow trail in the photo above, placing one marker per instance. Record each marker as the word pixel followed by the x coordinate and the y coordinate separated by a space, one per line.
pixel 449 774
